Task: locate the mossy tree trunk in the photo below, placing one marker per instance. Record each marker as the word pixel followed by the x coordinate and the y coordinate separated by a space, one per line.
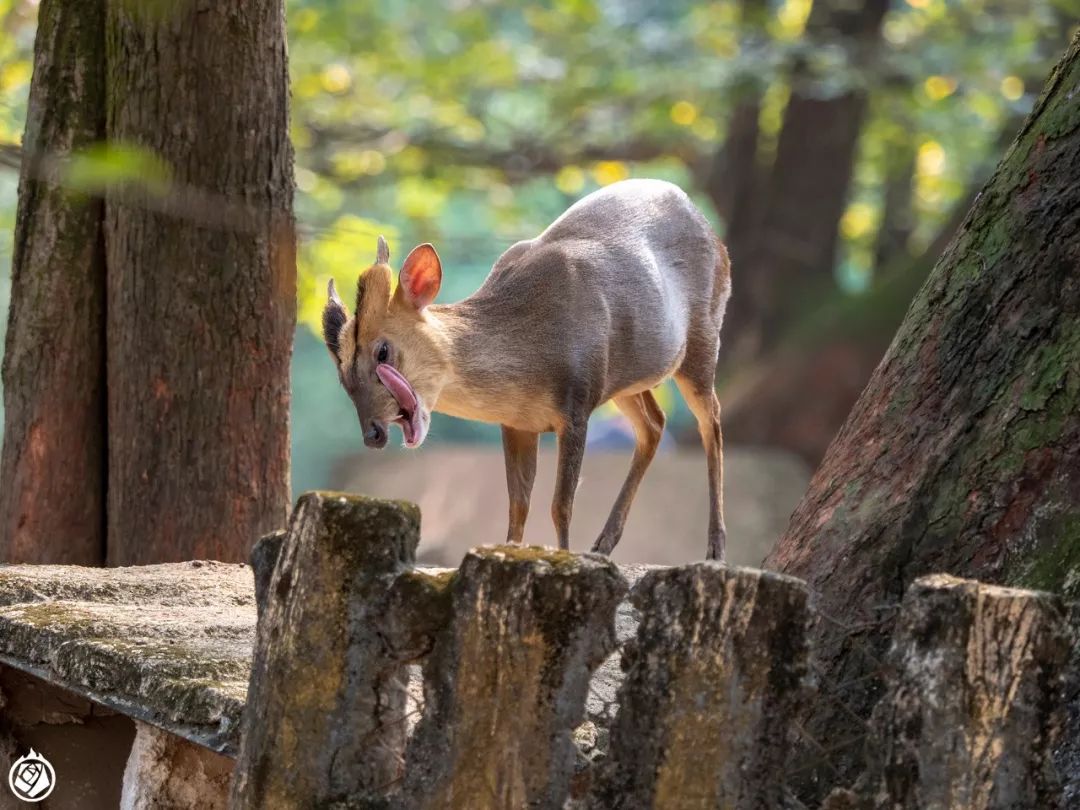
pixel 52 473
pixel 202 289
pixel 961 454
pixel 799 394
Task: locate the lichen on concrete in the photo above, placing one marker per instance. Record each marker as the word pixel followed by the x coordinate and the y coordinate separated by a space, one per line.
pixel 169 644
pixel 715 673
pixel 528 627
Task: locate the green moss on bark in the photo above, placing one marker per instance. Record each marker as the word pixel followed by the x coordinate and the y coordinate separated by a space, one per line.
pixel 1056 566
pixel 960 456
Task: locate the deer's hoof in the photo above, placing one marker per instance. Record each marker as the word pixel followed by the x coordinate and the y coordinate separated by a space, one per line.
pixel 604 545
pixel 717 549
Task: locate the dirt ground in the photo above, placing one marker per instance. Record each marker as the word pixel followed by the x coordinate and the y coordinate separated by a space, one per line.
pixel 462 496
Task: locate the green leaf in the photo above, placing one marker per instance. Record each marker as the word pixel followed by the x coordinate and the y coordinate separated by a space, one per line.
pixel 104 165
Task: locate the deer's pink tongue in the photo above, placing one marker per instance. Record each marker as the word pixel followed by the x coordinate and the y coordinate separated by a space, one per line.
pixel 410 418
pixel 398 385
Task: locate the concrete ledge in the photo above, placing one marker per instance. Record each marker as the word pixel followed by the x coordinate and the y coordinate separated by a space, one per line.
pixel 166 644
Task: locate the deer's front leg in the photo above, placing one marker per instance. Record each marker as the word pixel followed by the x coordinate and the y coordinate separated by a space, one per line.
pixel 519 450
pixel 571 440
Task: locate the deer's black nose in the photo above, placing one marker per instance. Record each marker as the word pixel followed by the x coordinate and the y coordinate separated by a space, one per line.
pixel 375 435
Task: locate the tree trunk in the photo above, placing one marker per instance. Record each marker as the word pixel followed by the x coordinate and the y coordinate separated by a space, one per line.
pixel 898 213
pixel 734 184
pixel 799 395
pixel 202 288
pixel 733 174
pixel 52 496
pixel 790 251
pixel 961 454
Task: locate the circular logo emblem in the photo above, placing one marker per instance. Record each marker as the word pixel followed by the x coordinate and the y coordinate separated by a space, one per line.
pixel 32 778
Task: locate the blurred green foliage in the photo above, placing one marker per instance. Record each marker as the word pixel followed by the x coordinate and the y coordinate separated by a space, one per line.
pixel 473 123
pixel 105 165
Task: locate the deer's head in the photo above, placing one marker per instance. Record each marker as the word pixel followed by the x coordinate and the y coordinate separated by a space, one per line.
pixel 388 355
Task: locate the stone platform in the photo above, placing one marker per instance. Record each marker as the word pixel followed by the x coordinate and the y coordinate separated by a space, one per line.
pixel 169 645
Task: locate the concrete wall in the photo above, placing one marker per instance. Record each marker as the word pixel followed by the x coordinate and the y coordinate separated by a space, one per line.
pixel 716 673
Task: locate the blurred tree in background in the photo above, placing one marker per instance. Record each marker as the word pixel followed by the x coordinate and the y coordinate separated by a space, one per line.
pixel 833 140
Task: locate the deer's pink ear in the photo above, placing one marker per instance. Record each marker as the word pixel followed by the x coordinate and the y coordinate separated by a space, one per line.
pixel 421 276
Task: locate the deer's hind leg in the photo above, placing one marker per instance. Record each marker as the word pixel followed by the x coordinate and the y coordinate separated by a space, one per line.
pixel 571 441
pixel 695 381
pixel 519 452
pixel 648 420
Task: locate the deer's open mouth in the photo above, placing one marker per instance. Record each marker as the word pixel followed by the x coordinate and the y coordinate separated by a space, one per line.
pixel 410 416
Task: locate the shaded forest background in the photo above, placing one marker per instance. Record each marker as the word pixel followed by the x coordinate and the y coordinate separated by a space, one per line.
pixel 834 144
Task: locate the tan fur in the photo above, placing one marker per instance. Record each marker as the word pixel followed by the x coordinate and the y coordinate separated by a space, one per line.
pixel 468 395
pixel 375 302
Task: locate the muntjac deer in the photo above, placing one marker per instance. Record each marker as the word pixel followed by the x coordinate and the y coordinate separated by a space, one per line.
pixel 624 290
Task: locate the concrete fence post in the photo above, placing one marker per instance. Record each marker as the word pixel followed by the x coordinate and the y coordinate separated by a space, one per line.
pixel 714 679
pixel 166 772
pixel 974 704
pixel 505 684
pixel 326 701
pixel 715 676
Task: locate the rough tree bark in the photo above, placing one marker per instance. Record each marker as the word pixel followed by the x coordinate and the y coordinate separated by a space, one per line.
pixel 961 454
pixel 52 499
pixel 201 287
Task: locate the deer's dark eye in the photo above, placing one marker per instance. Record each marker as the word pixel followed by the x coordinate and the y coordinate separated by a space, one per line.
pixel 382 354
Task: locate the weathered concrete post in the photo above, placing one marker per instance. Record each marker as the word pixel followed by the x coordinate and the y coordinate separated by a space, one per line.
pixel 973 706
pixel 324 717
pixel 264 557
pixel 166 772
pixel 505 684
pixel 714 677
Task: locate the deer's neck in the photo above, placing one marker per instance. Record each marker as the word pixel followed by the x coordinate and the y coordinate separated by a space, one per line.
pixel 484 369
pixel 465 339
